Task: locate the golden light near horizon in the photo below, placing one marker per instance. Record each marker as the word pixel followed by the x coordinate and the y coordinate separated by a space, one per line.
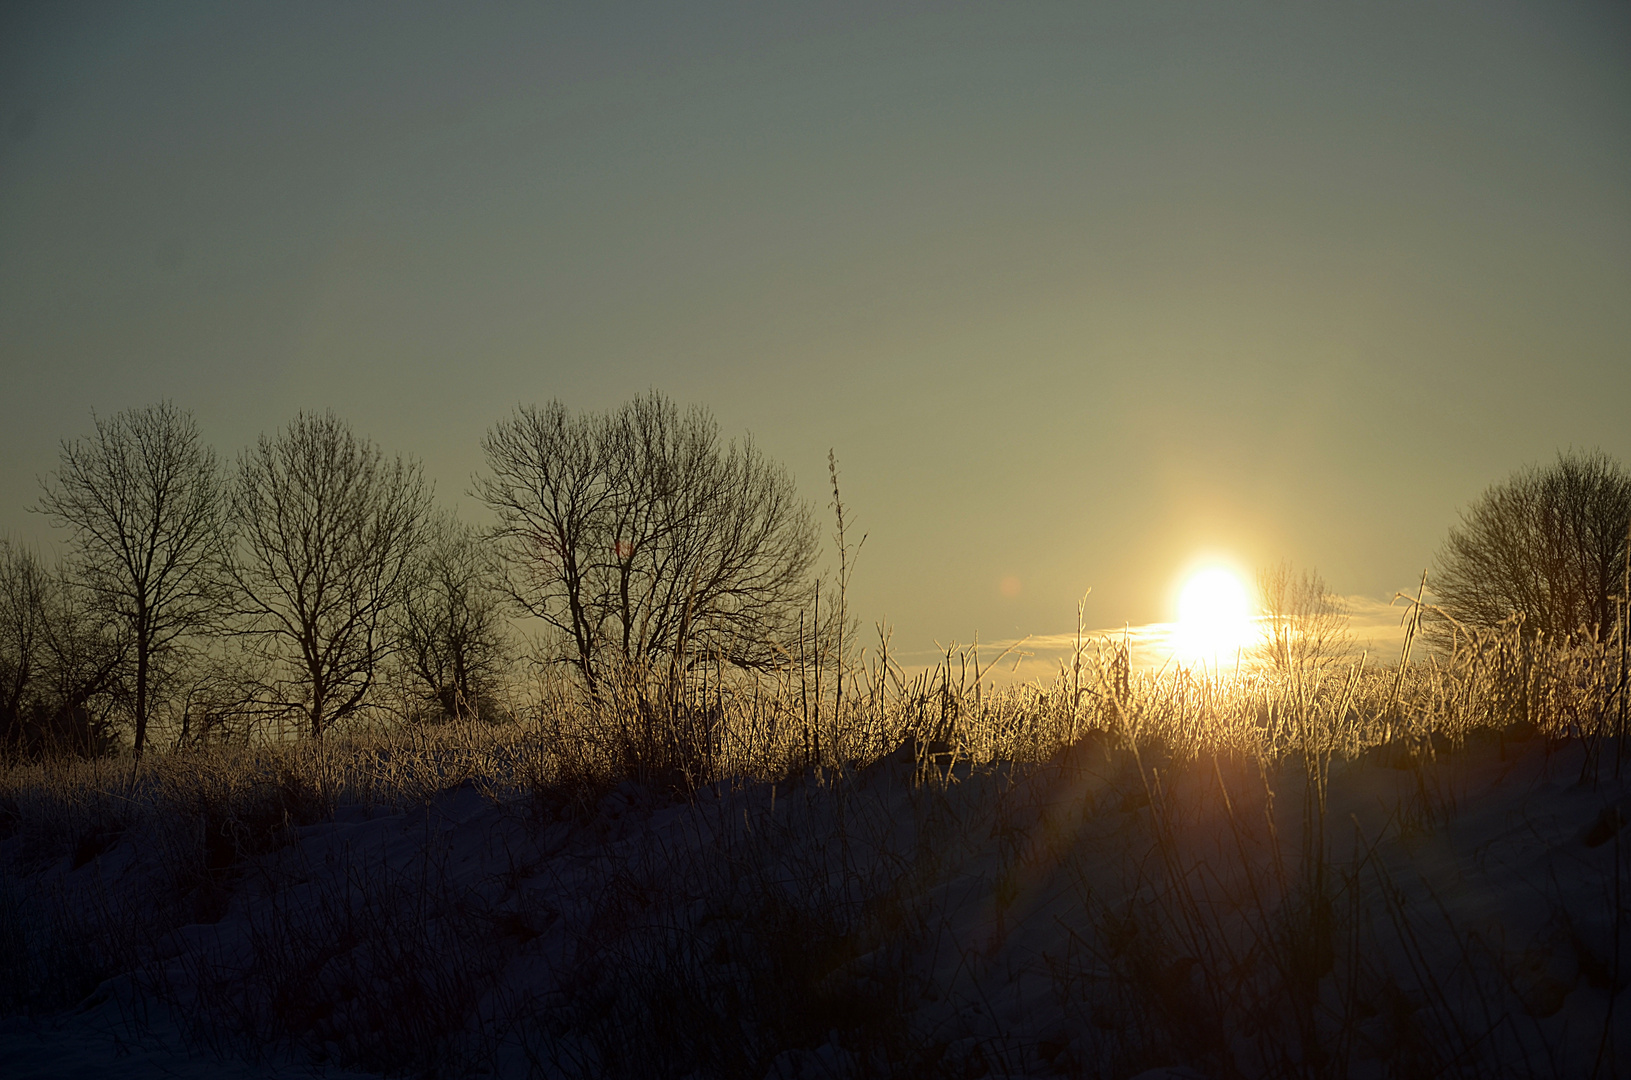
pixel 1215 617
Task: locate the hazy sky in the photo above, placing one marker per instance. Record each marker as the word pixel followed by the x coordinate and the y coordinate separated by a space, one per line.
pixel 1078 293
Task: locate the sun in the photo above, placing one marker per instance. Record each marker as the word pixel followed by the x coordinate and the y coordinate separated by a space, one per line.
pixel 1215 620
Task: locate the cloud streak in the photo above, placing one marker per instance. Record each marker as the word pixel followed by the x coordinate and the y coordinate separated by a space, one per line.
pixel 1376 628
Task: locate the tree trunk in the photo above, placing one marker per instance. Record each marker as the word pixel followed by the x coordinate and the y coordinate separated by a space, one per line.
pixel 319 698
pixel 143 648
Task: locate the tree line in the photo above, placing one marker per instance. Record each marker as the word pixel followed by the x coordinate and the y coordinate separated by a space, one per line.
pixel 287 586
pixel 290 584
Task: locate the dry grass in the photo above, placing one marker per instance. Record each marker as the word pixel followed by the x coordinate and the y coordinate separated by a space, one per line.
pixel 781 881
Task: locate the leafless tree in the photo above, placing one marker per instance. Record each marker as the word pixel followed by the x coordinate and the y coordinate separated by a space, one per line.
pixel 452 628
pixel 640 538
pixel 60 660
pixel 87 673
pixel 141 498
pixel 1307 626
pixel 325 529
pixel 1547 545
pixel 22 633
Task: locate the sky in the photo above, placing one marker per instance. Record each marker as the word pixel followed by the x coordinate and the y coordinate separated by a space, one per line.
pixel 1081 296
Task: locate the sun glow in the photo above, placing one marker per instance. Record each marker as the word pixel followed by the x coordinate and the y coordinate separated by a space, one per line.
pixel 1215 621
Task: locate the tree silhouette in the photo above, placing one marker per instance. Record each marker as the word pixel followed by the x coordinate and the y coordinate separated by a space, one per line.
pixel 1548 545
pixel 451 632
pixel 1307 626
pixel 23 589
pixel 325 530
pixel 140 497
pixel 639 538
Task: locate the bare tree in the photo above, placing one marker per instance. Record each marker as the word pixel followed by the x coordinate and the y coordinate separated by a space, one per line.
pixel 1307 624
pixel 1547 545
pixel 22 633
pixel 87 670
pixel 59 657
pixel 451 630
pixel 640 538
pixel 325 529
pixel 141 500
pixel 552 495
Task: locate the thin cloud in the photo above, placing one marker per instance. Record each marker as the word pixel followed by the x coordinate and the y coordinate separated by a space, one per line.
pixel 1376 628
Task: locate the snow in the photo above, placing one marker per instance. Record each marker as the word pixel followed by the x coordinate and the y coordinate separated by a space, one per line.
pixel 971 918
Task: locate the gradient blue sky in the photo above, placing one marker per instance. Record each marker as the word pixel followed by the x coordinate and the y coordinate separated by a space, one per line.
pixel 1078 293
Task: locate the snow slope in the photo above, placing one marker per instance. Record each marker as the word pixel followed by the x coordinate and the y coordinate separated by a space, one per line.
pixel 1449 911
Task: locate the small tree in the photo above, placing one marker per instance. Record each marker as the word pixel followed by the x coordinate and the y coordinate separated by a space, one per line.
pixel 640 538
pixel 141 500
pixel 325 531
pixel 59 657
pixel 1307 626
pixel 22 636
pixel 451 632
pixel 87 671
pixel 1548 546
